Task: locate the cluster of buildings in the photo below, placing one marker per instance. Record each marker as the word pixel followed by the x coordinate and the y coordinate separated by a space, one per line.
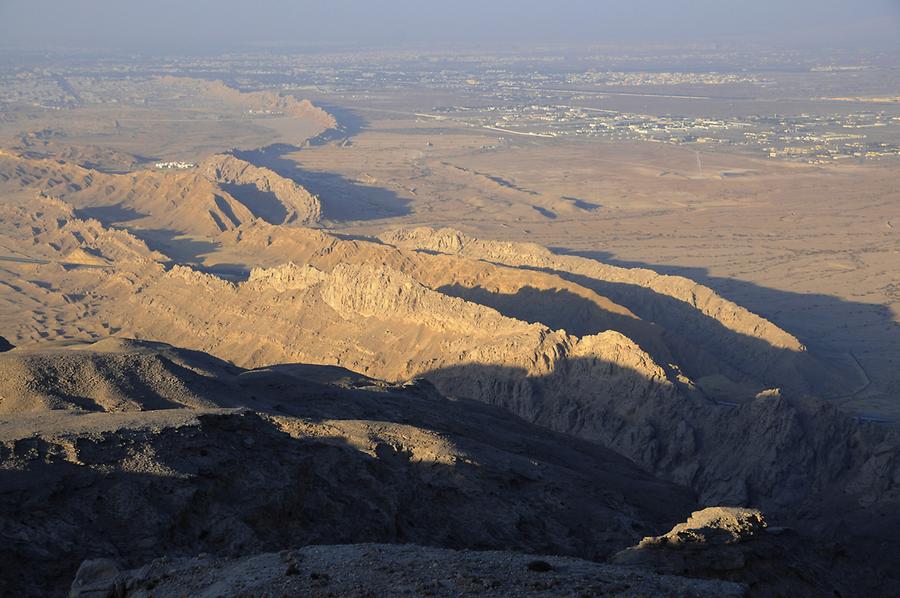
pixel 175 165
pixel 814 138
pixel 643 78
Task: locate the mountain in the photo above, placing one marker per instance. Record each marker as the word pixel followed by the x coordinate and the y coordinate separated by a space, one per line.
pixel 220 195
pixel 269 196
pixel 133 449
pixel 129 449
pixel 419 387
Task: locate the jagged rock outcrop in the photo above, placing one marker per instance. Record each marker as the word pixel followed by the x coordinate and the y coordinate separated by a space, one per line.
pixel 277 200
pixel 713 526
pixel 287 277
pixel 383 323
pixel 50 228
pixel 734 544
pixel 379 310
pixel 602 387
pixel 718 330
pixel 728 351
pixel 702 298
pixel 382 570
pixel 354 292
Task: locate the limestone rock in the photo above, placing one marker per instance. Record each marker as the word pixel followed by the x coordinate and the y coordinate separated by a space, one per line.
pixel 732 543
pixel 96 577
pixel 711 526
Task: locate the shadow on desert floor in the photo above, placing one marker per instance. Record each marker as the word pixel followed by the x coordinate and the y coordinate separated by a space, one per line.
pixel 262 204
pixel 342 198
pixel 179 247
pixel 864 331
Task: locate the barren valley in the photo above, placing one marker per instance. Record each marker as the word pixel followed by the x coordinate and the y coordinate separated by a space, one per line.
pixel 259 340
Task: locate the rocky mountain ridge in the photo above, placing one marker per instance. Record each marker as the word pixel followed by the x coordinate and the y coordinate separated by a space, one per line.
pixel 342 308
pixel 280 200
pixel 338 458
pixel 647 371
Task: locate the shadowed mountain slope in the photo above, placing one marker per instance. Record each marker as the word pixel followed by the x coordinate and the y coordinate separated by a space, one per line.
pixel 337 458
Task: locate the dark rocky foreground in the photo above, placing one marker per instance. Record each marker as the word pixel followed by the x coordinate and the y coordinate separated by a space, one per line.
pixel 386 570
pixel 142 452
pixel 132 451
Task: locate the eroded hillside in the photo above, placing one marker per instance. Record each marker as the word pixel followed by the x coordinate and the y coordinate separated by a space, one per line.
pixel 156 442
pixel 423 386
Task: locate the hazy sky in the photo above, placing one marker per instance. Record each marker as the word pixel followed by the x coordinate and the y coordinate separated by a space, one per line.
pixel 219 24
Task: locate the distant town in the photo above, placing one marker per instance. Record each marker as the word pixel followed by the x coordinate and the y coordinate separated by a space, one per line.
pixel 763 104
pixel 816 139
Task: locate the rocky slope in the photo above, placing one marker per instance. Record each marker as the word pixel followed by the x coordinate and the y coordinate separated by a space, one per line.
pixel 53 143
pixel 618 357
pixel 730 352
pixel 269 196
pixel 381 322
pixel 129 450
pixel 183 201
pixel 43 227
pixel 384 570
pixel 222 194
pixel 337 458
pixel 380 310
pixel 112 375
pixel 716 330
